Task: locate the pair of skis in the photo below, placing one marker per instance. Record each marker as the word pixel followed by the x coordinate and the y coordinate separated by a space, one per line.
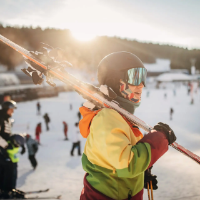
pixel 51 65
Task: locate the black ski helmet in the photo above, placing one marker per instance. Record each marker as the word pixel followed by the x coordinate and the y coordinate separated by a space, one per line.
pixel 17 139
pixel 9 104
pixel 115 66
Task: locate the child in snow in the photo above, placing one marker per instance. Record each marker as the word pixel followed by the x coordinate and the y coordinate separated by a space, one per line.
pixel 46 120
pixel 116 154
pixel 171 113
pixel 79 115
pixel 38 108
pixel 65 130
pixel 38 131
pixel 32 146
pixel 76 140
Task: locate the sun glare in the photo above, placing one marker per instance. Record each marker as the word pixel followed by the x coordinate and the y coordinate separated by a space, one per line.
pixel 83 36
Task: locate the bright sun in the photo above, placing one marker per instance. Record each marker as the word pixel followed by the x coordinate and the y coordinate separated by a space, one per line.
pixel 83 36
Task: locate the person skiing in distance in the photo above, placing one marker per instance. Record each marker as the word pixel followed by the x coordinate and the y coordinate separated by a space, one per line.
pixel 47 120
pixel 116 154
pixel 171 113
pixel 79 115
pixel 65 129
pixel 76 140
pixel 38 107
pixel 6 112
pixel 32 146
pixel 38 131
pixel 8 167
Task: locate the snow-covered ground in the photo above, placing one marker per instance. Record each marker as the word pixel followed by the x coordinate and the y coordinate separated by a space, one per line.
pixel 178 176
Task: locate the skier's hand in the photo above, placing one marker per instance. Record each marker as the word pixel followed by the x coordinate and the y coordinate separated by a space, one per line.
pixel 150 177
pixel 23 150
pixel 167 131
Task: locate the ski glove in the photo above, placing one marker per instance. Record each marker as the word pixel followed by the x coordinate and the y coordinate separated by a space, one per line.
pixel 150 177
pixel 23 150
pixel 167 131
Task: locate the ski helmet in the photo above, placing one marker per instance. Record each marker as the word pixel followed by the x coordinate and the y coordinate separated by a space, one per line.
pixel 9 104
pixel 17 139
pixel 121 65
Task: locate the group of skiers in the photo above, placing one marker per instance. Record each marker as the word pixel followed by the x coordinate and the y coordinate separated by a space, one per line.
pixel 117 157
pixel 76 140
pixel 10 145
pixel 9 148
pixel 38 129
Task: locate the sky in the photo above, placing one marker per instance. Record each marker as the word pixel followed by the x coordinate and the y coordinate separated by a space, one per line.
pixel 173 22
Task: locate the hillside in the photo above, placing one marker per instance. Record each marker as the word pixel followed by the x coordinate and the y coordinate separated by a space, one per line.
pixel 88 54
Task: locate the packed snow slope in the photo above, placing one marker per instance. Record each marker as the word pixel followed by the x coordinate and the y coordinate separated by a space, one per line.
pixel 178 176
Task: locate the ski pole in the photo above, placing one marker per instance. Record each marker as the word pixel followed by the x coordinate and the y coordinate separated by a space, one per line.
pixel 151 184
pixel 148 191
pixel 151 190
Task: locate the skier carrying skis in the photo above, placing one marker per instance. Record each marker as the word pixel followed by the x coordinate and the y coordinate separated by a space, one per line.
pixel 8 167
pixel 32 146
pixel 116 154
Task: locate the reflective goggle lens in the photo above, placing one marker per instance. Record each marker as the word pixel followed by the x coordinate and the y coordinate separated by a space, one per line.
pixel 137 76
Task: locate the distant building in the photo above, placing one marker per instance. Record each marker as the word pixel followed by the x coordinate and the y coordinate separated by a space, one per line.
pixel 157 68
pixel 162 66
pixel 181 71
pixel 175 77
pixel 8 79
pixel 160 74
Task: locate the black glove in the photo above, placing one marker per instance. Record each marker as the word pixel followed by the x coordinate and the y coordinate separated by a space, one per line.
pixel 23 150
pixel 167 131
pixel 150 177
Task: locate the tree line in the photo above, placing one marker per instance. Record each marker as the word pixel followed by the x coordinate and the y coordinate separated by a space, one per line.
pixel 87 55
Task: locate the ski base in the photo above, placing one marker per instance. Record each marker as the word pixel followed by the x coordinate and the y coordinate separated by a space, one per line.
pixel 49 197
pixel 37 191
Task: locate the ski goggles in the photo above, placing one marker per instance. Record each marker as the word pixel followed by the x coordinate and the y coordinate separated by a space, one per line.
pixel 137 76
